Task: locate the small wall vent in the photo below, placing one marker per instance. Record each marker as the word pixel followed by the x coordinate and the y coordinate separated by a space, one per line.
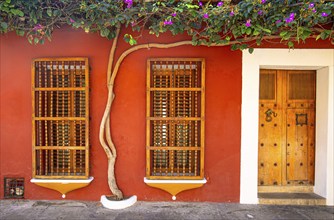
pixel 14 188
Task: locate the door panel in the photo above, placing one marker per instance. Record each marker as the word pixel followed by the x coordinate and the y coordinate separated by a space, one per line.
pixel 270 146
pixel 297 144
pixel 286 127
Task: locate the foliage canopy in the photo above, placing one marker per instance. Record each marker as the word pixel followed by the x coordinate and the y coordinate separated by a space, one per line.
pixel 207 22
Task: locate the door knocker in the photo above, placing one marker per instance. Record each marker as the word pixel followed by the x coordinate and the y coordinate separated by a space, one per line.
pixel 268 113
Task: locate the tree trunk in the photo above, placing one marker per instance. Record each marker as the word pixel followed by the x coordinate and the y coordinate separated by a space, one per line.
pixel 112 180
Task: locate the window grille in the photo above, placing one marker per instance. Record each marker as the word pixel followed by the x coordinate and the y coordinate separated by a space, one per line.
pixel 175 119
pixel 60 118
pixel 14 188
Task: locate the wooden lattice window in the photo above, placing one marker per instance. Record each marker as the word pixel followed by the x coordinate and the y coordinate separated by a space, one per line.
pixel 60 118
pixel 175 119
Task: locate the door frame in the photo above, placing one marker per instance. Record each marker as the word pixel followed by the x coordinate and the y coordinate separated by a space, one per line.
pixel 321 60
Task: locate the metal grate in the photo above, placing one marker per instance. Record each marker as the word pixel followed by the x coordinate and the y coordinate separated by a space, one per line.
pixel 175 114
pixel 14 188
pixel 61 118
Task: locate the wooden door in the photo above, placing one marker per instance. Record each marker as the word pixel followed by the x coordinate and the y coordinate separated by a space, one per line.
pixel 286 128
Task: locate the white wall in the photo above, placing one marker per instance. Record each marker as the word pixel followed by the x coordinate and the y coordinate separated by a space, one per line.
pixel 321 132
pixel 321 60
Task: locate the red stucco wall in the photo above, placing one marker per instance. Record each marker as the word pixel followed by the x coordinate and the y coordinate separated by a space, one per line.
pixel 223 116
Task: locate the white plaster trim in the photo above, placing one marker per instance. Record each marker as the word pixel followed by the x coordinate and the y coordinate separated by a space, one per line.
pixel 121 204
pixel 63 181
pixel 203 181
pixel 315 59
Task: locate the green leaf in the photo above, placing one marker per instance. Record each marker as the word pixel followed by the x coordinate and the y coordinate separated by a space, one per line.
pixel 243 29
pixel 4 25
pixel 132 41
pixel 248 31
pixel 33 16
pixel 235 47
pixel 250 50
pixel 56 12
pixel 36 40
pixel 325 34
pixel 104 32
pixel 191 6
pixel 266 30
pixel 283 34
pixel 290 44
pixel 17 12
pixel 127 37
pixel 256 32
pixel 49 12
pixel 306 33
pixel 243 46
pixel 20 32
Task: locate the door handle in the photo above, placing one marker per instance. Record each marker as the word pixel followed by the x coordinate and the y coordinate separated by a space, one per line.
pixel 269 114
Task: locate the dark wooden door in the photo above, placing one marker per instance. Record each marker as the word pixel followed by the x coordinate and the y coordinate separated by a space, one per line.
pixel 286 127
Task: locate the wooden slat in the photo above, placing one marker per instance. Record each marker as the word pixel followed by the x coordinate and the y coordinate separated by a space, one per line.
pixel 173 148
pixel 60 147
pixel 60 177
pixel 175 119
pixel 175 89
pixel 59 118
pixel 181 177
pixel 60 89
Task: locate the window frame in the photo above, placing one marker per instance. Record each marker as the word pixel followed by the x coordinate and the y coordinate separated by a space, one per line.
pixel 200 118
pixel 70 120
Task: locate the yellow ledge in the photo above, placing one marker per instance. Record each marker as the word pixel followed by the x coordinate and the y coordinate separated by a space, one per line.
pixel 62 185
pixel 175 186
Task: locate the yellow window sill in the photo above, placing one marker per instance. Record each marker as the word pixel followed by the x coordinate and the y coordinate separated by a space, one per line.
pixel 175 186
pixel 62 185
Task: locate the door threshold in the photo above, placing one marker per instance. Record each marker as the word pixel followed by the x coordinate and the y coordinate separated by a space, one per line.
pixel 285 189
pixel 284 198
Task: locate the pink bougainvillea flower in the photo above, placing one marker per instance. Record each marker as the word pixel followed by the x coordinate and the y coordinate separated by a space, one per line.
pixel 311 5
pixel 168 22
pixel 263 1
pixel 324 14
pixel 174 14
pixel 200 4
pixel 206 15
pixel 38 27
pixel 291 18
pixel 232 13
pixel 129 3
pixel 248 23
pixel 220 4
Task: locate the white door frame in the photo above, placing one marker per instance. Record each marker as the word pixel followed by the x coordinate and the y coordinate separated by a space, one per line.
pixel 321 60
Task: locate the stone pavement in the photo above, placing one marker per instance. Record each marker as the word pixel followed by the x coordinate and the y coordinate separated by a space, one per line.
pixel 29 209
